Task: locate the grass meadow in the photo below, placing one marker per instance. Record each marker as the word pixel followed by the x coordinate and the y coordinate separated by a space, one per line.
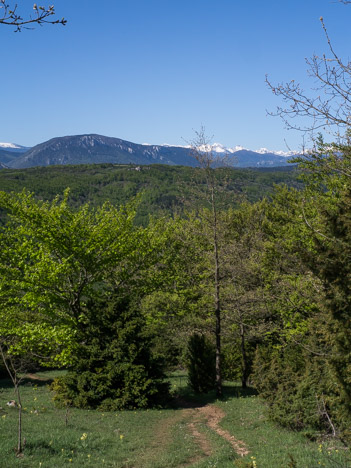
pixel 180 436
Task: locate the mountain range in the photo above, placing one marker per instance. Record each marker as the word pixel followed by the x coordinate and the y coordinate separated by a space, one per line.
pixel 93 149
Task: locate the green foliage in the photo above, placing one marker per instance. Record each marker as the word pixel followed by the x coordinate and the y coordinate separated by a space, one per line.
pixel 165 189
pixel 152 438
pixel 292 384
pixel 331 265
pixel 201 364
pixel 232 358
pixel 59 266
pixel 91 289
pixel 113 367
pixel 303 369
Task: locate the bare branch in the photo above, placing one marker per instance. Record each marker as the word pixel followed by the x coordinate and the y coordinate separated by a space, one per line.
pixel 316 231
pixel 322 409
pixel 328 105
pixel 42 15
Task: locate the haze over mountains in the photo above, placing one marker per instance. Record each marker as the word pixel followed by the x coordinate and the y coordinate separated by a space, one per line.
pixel 94 149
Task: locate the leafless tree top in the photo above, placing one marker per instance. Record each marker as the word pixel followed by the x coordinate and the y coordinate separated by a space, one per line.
pixel 328 104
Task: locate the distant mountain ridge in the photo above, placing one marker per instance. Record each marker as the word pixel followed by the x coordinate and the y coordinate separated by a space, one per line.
pixel 13 147
pixel 218 148
pixel 94 149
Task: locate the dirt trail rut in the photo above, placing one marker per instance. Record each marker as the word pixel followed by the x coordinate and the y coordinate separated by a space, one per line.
pixel 211 416
pixel 195 418
pixel 214 415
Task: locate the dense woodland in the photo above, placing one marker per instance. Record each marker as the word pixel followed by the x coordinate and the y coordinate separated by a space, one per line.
pixel 217 280
pixel 162 189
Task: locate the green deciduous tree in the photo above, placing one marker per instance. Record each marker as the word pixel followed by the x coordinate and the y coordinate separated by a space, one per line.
pixel 58 264
pixel 245 318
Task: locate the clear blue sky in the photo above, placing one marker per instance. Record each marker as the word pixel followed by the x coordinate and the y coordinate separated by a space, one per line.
pixel 154 70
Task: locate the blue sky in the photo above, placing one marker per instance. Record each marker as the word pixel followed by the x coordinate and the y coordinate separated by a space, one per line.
pixel 155 70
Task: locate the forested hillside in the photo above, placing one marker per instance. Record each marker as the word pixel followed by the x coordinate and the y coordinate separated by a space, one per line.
pixel 163 189
pixel 226 282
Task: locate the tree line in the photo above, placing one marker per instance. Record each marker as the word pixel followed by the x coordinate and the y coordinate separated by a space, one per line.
pixel 164 189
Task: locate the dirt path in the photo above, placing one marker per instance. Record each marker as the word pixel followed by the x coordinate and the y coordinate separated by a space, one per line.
pixel 211 416
pixel 162 437
pixel 36 377
pixel 214 415
pixel 200 438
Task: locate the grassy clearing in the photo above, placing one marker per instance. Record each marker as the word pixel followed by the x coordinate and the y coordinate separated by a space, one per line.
pixel 151 438
pixel 273 446
pixel 270 445
pixel 91 438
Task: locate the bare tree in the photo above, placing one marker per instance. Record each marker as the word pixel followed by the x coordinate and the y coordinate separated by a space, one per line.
pixel 328 104
pixel 202 151
pixel 9 15
pixel 16 367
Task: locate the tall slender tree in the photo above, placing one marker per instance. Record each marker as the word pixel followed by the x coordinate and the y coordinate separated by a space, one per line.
pixel 202 151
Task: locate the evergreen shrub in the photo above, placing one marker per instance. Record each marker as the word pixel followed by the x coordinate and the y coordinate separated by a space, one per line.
pixel 201 364
pixel 114 367
pixel 300 390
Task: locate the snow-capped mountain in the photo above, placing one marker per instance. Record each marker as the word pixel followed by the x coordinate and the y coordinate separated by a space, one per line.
pixel 12 146
pixel 10 152
pixel 278 153
pixel 221 149
pixel 94 149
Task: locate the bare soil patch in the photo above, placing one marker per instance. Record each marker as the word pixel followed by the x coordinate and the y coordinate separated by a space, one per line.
pixel 36 377
pixel 200 439
pixel 210 415
pixel 214 415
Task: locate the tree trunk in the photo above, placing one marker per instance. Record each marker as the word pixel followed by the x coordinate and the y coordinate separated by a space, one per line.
pixel 19 442
pixel 16 381
pixel 244 363
pixel 217 300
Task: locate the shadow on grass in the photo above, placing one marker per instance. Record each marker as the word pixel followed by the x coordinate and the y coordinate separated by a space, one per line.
pixel 40 446
pixel 185 397
pixel 32 379
pixel 28 381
